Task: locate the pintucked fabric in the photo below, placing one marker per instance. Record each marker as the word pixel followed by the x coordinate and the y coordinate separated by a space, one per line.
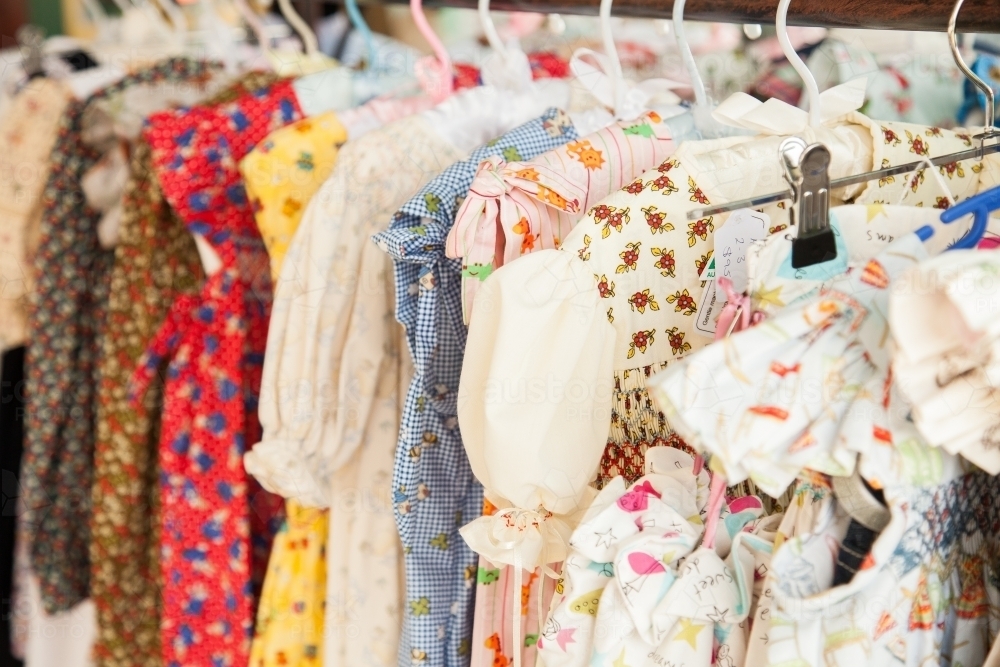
pixel 281 176
pixel 28 130
pixel 216 524
pixel 434 490
pixel 514 208
pixel 67 316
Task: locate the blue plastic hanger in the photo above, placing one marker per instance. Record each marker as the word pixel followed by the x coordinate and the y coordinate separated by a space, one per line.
pixel 359 23
pixel 980 206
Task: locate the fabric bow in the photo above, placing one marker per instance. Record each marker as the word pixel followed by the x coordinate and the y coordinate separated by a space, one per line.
pixel 506 196
pixel 631 99
pixel 775 117
pixel 523 539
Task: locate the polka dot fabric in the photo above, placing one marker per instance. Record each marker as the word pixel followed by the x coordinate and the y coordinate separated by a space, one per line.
pixel 216 522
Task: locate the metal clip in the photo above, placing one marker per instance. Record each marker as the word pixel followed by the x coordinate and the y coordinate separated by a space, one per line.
pixel 31 38
pixel 806 171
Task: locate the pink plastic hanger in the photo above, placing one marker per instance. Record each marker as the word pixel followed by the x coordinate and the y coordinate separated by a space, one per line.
pixel 433 73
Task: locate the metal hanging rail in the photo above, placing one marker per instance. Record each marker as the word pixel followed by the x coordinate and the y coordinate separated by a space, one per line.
pixel 926 15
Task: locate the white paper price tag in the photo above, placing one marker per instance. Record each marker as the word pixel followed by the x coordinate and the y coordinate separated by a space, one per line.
pixel 731 242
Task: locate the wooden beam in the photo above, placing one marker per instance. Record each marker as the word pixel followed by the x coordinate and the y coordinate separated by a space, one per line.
pixel 926 15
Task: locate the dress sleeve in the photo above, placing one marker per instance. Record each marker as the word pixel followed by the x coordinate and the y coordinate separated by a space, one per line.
pixel 534 404
pixel 947 366
pixel 292 378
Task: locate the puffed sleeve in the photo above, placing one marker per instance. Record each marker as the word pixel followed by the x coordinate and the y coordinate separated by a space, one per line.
pixel 534 404
pixel 947 358
pixel 281 461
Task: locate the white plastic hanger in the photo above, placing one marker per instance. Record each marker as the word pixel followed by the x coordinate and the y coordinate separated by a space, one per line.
pixel 607 83
pixel 251 18
pixel 302 28
pixel 808 80
pixel 697 85
pixel 707 126
pixel 611 52
pixel 507 66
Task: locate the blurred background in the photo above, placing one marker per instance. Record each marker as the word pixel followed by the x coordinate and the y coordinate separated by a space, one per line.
pixel 911 76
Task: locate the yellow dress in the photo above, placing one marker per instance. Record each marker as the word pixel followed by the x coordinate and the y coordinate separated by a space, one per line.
pixel 281 175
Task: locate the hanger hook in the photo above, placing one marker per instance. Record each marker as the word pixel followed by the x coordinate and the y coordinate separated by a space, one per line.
pixel 301 27
pixel 984 87
pixel 359 23
pixel 617 77
pixel 445 84
pixel 489 29
pixel 700 96
pixel 812 90
pixel 256 25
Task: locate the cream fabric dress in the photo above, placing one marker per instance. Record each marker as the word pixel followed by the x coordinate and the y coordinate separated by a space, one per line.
pixel 28 131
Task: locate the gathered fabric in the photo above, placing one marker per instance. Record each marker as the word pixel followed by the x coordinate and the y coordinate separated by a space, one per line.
pixel 947 364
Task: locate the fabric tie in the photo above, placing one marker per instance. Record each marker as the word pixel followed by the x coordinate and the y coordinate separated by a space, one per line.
pixel 630 100
pixel 778 118
pixel 163 345
pixel 522 539
pixel 508 193
pixel 505 192
pixel 716 496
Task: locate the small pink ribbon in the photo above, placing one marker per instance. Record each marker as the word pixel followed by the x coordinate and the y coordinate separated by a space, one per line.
pixel 736 304
pixel 716 495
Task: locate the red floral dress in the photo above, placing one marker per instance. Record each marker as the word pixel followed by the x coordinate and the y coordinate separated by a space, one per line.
pixel 216 523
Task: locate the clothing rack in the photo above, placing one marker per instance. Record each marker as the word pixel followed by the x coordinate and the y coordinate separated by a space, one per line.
pixel 927 15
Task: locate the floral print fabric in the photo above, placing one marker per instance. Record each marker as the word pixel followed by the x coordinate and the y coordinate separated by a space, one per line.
pixel 514 208
pixel 215 522
pixel 434 491
pixel 332 332
pixel 647 258
pixel 155 262
pixel 67 316
pixel 283 173
pixel 281 176
pixel 28 130
pixel 289 629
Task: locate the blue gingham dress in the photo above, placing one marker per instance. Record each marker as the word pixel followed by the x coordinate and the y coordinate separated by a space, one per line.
pixel 435 492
